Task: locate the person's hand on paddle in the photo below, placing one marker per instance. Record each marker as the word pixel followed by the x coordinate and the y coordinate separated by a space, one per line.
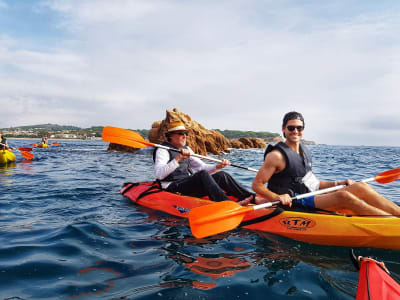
pixel 223 164
pixel 185 153
pixel 344 182
pixel 348 182
pixel 285 199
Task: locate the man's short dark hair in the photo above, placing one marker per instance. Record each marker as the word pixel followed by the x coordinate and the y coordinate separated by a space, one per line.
pixel 293 115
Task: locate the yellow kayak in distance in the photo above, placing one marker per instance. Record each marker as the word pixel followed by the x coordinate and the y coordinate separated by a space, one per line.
pixel 6 157
pixel 43 146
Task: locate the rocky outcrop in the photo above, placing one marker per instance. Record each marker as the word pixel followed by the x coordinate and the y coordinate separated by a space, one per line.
pixel 121 148
pixel 200 139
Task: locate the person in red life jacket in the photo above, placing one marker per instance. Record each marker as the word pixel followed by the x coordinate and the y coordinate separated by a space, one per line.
pixel 188 175
pixel 287 168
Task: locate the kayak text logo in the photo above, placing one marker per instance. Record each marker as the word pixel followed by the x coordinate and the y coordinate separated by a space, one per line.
pixel 297 223
pixel 182 210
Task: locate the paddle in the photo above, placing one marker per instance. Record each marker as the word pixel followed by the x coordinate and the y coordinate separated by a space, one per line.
pixel 24 148
pixel 55 144
pixel 226 215
pixel 133 139
pixel 34 145
pixel 27 155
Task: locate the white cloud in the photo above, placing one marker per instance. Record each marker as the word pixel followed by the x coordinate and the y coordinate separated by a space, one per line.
pixel 228 64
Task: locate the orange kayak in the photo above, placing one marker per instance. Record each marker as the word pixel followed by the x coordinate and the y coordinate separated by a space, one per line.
pixel 310 227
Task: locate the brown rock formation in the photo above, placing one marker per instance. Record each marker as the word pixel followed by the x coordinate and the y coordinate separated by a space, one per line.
pixel 200 139
pixel 121 148
pixel 247 143
pixel 237 144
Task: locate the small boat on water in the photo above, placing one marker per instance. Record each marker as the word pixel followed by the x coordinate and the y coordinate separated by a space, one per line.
pixel 6 157
pixel 312 227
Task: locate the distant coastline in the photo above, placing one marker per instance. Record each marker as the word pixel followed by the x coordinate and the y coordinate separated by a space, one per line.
pixel 53 139
pixel 73 133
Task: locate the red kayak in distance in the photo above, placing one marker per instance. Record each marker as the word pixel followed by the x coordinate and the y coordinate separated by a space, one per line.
pixel 374 280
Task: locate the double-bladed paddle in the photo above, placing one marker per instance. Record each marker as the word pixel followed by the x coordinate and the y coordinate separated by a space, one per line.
pixel 226 215
pixel 133 139
pixel 27 155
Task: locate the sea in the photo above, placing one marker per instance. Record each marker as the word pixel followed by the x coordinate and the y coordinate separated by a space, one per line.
pixel 67 233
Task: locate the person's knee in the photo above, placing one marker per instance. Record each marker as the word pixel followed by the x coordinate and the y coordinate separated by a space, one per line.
pixel 220 174
pixel 348 200
pixel 361 186
pixel 203 173
pixel 204 177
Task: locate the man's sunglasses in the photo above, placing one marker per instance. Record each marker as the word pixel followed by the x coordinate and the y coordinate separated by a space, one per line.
pixel 292 128
pixel 183 133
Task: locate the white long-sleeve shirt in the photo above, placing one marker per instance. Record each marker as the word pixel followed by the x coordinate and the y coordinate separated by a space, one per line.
pixel 162 168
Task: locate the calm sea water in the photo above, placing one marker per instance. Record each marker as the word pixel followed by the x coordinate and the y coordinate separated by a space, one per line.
pixel 67 233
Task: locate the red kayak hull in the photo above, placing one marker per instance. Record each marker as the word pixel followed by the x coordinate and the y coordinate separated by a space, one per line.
pixel 375 283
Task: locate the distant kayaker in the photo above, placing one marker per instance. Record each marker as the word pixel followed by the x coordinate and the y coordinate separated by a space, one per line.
pixel 4 143
pixel 44 141
pixel 288 170
pixel 188 175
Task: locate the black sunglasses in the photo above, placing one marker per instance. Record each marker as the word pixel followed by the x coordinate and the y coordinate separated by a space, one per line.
pixel 292 128
pixel 183 133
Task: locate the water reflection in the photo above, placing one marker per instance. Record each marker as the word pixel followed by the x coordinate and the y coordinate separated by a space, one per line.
pixel 221 266
pixel 6 171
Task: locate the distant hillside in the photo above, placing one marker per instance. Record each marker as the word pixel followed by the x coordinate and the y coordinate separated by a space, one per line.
pixel 236 134
pixel 69 131
pixel 59 131
pixel 50 127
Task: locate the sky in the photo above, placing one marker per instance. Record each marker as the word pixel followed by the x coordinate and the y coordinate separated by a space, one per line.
pixel 229 64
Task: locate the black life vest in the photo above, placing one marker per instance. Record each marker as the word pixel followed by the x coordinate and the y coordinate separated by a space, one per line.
pixel 289 180
pixel 183 171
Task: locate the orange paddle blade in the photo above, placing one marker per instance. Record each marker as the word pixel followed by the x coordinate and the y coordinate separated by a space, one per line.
pixel 124 137
pixel 34 145
pixel 24 149
pixel 121 132
pixel 55 144
pixel 123 141
pixel 27 155
pixel 388 176
pixel 216 218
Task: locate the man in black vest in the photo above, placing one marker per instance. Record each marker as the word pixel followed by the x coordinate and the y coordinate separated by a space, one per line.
pixel 287 169
pixel 188 175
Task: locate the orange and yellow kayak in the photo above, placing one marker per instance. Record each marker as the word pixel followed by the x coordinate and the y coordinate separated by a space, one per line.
pixel 315 228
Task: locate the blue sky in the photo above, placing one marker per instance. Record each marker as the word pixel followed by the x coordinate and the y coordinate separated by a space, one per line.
pixel 228 64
